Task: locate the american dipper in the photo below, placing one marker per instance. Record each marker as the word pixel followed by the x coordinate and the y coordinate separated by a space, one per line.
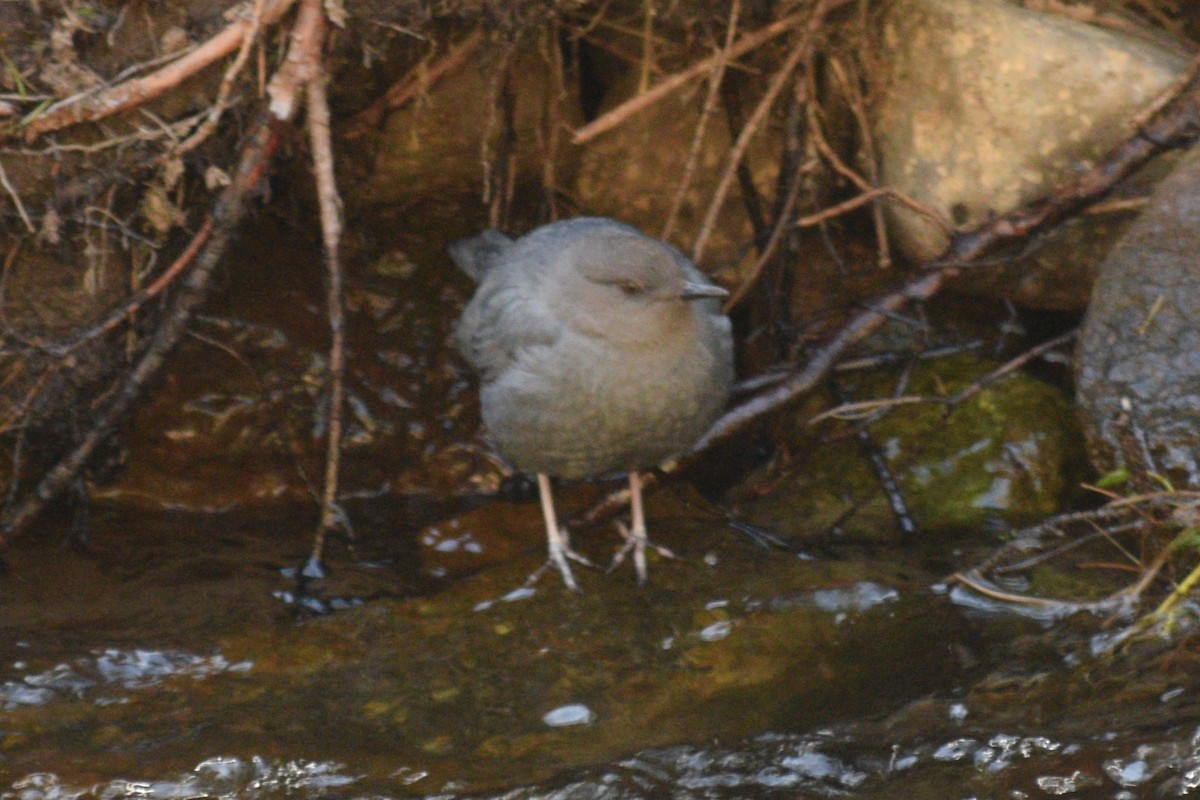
pixel 600 350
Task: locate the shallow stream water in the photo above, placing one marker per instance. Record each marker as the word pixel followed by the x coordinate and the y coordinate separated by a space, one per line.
pixel 163 660
pixel 169 655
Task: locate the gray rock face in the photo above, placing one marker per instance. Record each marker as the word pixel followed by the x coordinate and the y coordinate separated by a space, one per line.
pixel 1138 361
pixel 600 350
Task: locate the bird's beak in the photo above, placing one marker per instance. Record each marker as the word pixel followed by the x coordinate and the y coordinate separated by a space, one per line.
pixel 697 291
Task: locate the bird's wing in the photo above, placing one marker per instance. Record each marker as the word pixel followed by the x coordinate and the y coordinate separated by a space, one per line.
pixel 501 324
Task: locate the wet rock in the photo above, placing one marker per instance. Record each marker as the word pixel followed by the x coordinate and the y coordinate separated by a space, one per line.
pixel 431 149
pixel 1011 452
pixel 988 106
pixel 1138 361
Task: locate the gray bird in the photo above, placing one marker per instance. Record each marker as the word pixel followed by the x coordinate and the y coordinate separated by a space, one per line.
pixel 600 350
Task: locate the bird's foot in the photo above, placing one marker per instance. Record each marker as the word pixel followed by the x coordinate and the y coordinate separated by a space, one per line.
pixel 560 556
pixel 636 542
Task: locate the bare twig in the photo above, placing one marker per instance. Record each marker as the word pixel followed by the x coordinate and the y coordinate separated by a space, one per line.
pixel 331 231
pixel 781 225
pixel 1178 123
pixel 123 96
pixel 867 136
pixel 418 80
pixel 977 583
pixel 738 151
pixel 665 87
pixel 1173 91
pixel 117 403
pixel 839 166
pixel 16 198
pixel 550 132
pixel 219 106
pixel 870 196
pixel 710 104
pixel 847 410
pixel 302 63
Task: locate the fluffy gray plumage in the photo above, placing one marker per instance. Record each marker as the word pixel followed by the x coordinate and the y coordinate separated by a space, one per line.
pixel 600 349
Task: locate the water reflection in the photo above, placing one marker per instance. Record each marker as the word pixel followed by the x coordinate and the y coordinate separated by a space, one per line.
pixel 102 672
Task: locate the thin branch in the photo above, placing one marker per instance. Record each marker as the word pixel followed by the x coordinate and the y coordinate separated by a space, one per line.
pixel 706 111
pixel 738 151
pixel 665 87
pixel 219 106
pixel 16 198
pixel 866 135
pixel 226 215
pixel 123 96
pixel 418 80
pixel 331 232
pixel 850 410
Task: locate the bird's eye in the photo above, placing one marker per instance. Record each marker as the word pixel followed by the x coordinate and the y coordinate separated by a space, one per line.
pixel 630 288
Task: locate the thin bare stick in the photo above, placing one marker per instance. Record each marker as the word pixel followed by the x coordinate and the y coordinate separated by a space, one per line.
pixel 550 131
pixel 815 370
pixel 867 136
pixel 781 224
pixel 710 104
pixel 858 409
pixel 665 87
pixel 226 215
pixel 123 96
pixel 871 195
pixel 830 155
pixel 1173 91
pixel 302 64
pixel 331 231
pixel 738 151
pixel 16 198
pixel 977 583
pixel 135 302
pixel 417 80
pixel 205 129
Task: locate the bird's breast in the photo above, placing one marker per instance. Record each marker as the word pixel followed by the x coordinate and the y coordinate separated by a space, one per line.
pixel 585 406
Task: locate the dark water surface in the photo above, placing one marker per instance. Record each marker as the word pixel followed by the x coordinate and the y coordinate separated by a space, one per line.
pixel 169 655
pixel 161 660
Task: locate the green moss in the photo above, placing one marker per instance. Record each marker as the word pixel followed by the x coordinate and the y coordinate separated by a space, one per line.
pixel 1012 451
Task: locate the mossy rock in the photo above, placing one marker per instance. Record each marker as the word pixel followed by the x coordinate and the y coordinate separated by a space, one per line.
pixel 1012 452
